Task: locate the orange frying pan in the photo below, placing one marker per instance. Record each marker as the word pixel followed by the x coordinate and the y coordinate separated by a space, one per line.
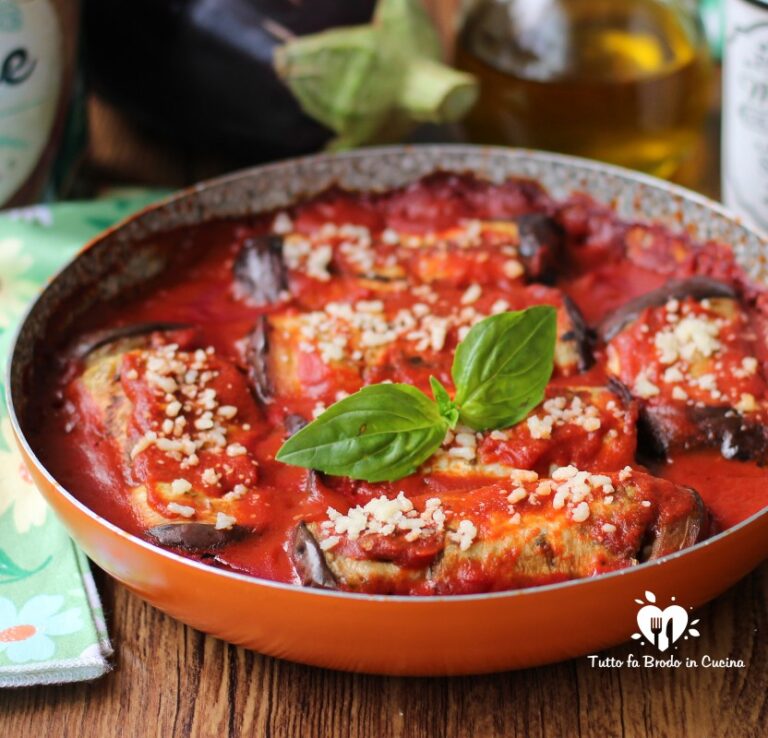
pixel 387 635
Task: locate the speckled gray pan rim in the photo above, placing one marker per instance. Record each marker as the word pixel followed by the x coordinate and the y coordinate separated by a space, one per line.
pixel 115 261
pixel 633 195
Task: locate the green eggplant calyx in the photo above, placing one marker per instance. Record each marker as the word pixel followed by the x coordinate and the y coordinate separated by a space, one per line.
pixel 374 83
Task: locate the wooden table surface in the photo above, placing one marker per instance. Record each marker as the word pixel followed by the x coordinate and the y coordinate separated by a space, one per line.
pixel 170 680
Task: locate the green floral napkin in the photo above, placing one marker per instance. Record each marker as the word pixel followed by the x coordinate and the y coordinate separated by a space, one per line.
pixel 52 627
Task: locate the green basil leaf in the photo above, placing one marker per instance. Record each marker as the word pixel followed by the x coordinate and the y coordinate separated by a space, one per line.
pixel 381 433
pixel 503 365
pixel 445 404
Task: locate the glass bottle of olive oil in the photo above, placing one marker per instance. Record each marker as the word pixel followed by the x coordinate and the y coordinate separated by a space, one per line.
pixel 624 81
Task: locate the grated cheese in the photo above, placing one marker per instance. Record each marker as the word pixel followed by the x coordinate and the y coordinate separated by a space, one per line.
pixel 224 521
pixel 472 294
pixel 385 516
pixel 180 486
pixel 184 510
pixel 465 534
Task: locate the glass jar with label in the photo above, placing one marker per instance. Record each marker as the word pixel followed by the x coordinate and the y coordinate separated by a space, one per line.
pixel 745 110
pixel 38 58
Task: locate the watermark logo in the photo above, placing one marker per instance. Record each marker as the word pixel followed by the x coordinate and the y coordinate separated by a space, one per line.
pixel 662 628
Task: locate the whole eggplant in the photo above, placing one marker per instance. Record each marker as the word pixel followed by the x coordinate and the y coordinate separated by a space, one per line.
pixel 200 72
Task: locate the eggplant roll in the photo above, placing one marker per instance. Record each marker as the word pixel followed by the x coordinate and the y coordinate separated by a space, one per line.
pixel 500 536
pixel 494 252
pixel 692 364
pixel 178 425
pixel 591 427
pixel 401 337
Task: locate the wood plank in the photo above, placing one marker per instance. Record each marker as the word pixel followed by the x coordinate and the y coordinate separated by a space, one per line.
pixel 172 681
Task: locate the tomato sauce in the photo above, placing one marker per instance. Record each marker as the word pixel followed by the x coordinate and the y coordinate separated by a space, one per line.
pixel 607 262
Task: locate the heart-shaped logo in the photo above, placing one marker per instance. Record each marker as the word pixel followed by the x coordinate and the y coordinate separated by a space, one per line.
pixel 662 627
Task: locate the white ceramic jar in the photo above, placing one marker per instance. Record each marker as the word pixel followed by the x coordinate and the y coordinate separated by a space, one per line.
pixel 745 110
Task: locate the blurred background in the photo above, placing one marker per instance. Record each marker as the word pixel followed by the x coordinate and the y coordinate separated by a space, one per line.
pixel 168 92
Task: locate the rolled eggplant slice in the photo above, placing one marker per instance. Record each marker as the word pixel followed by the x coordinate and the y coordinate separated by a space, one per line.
pixel 100 384
pixel 401 337
pixel 172 422
pixel 504 536
pixel 692 366
pixel 591 427
pixel 260 274
pixel 486 252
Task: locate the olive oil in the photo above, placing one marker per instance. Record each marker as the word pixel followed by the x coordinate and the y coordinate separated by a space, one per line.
pixel 624 81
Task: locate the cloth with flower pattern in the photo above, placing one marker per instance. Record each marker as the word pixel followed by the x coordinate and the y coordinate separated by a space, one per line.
pixel 52 627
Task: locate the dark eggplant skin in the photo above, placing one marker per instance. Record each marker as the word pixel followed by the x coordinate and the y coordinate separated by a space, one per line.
pixel 665 428
pixel 256 354
pixel 620 390
pixel 680 533
pixel 259 270
pixel 657 430
pixel 309 560
pixel 201 72
pixel 90 342
pixel 195 537
pixel 581 333
pixel 698 288
pixel 541 247
pixel 737 437
pixel 662 429
pixel 293 424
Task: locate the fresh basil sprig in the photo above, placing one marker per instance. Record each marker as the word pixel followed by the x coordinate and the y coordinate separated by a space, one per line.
pixel 448 408
pixel 502 367
pixel 382 432
pixel 386 431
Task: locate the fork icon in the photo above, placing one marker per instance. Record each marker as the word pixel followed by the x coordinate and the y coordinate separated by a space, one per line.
pixel 656 630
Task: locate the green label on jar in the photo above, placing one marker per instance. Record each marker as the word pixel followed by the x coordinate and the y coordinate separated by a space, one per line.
pixel 30 82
